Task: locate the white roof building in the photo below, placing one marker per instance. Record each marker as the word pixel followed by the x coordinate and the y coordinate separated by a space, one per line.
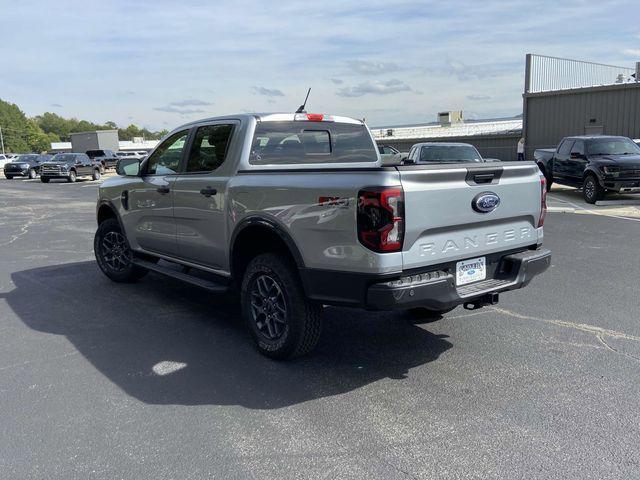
pixel 123 145
pixel 468 128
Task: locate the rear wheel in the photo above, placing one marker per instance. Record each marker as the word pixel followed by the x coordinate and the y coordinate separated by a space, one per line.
pixel 113 254
pixel 32 173
pixel 44 179
pixel 96 174
pixel 71 177
pixel 283 322
pixel 9 177
pixel 591 189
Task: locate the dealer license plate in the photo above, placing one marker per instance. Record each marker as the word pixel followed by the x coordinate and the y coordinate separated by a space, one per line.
pixel 469 271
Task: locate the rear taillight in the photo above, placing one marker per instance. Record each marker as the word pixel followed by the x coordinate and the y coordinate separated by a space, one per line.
pixel 381 218
pixel 543 201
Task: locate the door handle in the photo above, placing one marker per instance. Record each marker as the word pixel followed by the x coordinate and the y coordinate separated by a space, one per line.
pixel 163 190
pixel 208 191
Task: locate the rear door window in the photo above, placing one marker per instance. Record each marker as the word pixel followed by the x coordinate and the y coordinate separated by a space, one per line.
pixel 278 143
pixel 209 148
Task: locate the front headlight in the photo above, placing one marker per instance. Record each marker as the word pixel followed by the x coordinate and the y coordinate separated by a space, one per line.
pixel 613 171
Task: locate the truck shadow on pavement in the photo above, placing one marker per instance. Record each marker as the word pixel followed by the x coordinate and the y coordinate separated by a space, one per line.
pixel 163 342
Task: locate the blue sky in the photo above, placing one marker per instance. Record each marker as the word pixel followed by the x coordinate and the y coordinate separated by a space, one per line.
pixel 162 63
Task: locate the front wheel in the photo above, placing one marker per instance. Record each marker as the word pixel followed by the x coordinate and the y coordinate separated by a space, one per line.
pixel 32 174
pixel 44 179
pixel 9 177
pixel 591 189
pixel 283 322
pixel 96 174
pixel 71 177
pixel 113 254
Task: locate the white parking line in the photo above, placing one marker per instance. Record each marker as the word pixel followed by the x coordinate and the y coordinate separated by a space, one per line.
pixel 578 208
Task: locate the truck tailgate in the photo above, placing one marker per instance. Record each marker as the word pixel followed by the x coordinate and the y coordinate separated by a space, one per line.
pixel 441 224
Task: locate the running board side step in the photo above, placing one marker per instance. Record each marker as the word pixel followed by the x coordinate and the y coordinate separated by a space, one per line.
pixel 183 277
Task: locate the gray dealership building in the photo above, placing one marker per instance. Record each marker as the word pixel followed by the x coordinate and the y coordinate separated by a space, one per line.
pixel 561 97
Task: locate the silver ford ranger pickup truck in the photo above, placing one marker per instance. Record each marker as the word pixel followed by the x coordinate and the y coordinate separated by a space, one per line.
pixel 296 211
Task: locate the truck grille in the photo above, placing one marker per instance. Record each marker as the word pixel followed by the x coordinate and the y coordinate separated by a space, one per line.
pixel 50 170
pixel 630 172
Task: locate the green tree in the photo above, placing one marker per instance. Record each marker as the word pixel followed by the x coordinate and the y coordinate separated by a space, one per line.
pixel 23 134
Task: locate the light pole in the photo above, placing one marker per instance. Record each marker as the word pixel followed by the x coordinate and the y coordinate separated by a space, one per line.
pixel 1 141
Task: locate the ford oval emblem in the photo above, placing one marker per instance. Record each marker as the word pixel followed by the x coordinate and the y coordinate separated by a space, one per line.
pixel 485 202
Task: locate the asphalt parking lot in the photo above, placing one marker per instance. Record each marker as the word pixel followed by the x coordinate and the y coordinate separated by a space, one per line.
pixel 158 380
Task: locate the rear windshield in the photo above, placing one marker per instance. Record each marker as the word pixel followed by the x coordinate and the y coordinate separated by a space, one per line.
pixel 278 143
pixel 449 153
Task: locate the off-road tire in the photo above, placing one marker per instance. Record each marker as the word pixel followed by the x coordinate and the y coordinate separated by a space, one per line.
pixel 32 174
pixel 129 272
pixel 303 317
pixel 96 174
pixel 72 177
pixel 591 189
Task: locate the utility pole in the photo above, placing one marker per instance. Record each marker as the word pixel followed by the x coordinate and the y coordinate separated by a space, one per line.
pixel 1 140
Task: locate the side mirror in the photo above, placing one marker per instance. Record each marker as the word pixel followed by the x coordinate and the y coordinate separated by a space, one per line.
pixel 407 161
pixel 576 155
pixel 128 167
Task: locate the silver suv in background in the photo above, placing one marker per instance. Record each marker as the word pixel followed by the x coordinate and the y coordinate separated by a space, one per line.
pixel 443 152
pixel 296 211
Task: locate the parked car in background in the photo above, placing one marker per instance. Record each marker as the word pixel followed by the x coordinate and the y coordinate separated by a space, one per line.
pixel 70 166
pixel 389 155
pixel 443 152
pixel 296 211
pixel 107 158
pixel 597 164
pixel 27 165
pixel 3 159
pixel 387 150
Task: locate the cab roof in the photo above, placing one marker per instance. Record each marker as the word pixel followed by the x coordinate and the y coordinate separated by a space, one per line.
pixel 278 117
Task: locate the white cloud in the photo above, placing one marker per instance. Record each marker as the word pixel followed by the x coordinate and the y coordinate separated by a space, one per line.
pixel 632 52
pixel 181 111
pixel 190 103
pixel 378 87
pixel 475 97
pixel 365 67
pixel 267 92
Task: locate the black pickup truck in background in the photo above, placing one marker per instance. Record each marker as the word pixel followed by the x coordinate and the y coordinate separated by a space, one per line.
pixel 107 158
pixel 597 164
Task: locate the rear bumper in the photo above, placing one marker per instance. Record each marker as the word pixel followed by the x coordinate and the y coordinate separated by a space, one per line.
pixel 434 289
pixel 439 292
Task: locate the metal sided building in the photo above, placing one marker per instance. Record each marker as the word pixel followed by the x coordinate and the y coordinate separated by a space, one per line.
pixel 494 138
pixel 97 140
pixel 565 97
